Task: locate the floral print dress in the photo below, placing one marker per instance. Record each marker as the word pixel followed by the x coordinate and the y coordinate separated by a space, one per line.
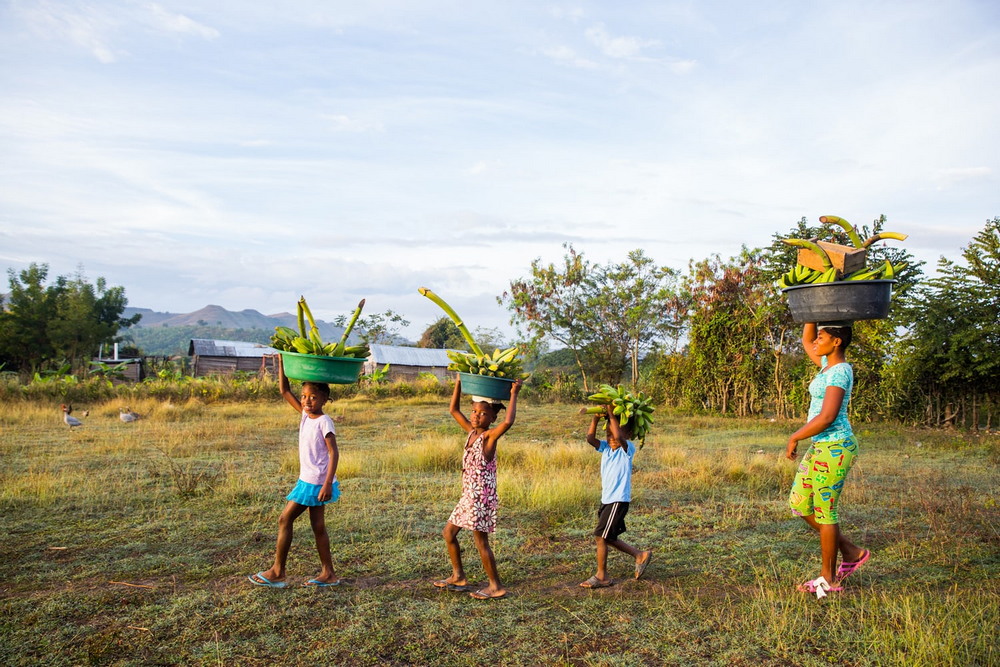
pixel 477 508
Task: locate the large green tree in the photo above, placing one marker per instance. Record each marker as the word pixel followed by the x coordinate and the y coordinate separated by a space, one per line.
pixel 64 321
pixel 551 304
pixel 949 369
pixel 607 316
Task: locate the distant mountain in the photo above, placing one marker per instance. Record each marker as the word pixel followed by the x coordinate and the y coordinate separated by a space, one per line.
pixel 168 334
pixel 219 317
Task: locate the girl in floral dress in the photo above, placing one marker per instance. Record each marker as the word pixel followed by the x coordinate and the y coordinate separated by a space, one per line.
pixel 477 508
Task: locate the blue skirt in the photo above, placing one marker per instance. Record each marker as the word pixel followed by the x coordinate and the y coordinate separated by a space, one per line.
pixel 307 494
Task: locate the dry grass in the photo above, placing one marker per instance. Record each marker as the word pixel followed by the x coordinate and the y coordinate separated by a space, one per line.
pixel 184 502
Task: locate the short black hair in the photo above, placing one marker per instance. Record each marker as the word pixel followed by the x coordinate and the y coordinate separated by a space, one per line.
pixel 845 334
pixel 319 387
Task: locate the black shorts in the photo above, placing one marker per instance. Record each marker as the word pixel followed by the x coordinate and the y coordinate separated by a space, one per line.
pixel 611 520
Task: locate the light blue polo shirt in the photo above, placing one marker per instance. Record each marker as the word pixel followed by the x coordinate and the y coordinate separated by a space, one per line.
pixel 616 473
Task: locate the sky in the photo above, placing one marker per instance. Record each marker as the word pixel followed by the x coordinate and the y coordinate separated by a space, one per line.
pixel 241 154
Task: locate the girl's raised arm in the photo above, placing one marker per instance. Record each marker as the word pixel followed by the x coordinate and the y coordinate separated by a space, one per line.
pixel 508 421
pixel 454 409
pixel 808 336
pixel 286 389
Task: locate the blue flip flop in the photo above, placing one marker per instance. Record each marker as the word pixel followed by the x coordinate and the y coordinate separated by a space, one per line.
pixel 265 582
pixel 322 584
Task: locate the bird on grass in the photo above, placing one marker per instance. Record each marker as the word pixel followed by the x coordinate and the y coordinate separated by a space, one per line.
pixel 70 420
pixel 126 415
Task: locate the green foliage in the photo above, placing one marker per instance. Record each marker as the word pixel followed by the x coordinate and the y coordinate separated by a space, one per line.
pixel 378 328
pixel 377 376
pixel 731 334
pixel 607 316
pixel 65 321
pixel 948 370
pixel 443 334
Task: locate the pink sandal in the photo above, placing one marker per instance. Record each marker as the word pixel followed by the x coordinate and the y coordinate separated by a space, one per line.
pixel 847 569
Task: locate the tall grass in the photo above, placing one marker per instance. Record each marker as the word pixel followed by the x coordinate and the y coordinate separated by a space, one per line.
pixel 182 505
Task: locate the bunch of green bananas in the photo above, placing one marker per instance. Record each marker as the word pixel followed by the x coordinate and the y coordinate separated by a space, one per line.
pixel 885 271
pixel 286 339
pixel 633 409
pixel 803 275
pixel 501 364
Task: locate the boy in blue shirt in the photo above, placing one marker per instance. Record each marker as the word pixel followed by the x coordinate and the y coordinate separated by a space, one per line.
pixel 616 493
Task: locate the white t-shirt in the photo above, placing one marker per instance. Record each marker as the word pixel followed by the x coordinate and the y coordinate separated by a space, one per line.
pixel 313 456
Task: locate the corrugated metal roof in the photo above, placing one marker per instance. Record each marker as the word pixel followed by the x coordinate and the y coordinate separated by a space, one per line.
pixel 408 356
pixel 206 347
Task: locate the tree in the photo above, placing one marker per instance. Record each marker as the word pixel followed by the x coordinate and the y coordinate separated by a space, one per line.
pixel 730 333
pixel 377 328
pixel 442 334
pixel 552 304
pixel 67 320
pixel 605 315
pixel 949 369
pixel 635 307
pixel 24 342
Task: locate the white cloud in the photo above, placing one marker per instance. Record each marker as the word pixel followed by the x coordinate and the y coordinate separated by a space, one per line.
pixel 618 47
pixel 172 22
pixel 345 123
pixel 84 26
pixel 101 29
pixel 564 55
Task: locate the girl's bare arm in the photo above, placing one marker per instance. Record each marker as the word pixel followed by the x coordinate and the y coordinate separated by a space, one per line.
pixel 286 389
pixel 493 435
pixel 326 491
pixel 808 336
pixel 832 400
pixel 454 409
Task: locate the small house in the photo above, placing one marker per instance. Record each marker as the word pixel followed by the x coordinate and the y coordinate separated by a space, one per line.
pixel 130 369
pixel 224 357
pixel 406 363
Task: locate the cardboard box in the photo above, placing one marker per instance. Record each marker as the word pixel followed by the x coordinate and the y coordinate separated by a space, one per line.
pixel 844 258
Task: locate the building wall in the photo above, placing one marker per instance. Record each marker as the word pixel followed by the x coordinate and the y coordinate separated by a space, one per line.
pixel 204 365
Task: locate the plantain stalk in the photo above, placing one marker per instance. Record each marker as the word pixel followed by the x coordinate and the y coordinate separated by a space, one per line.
pixel 341 346
pixel 852 233
pixel 454 318
pixel 809 245
pixel 882 236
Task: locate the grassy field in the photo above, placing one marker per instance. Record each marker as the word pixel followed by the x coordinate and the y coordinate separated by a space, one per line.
pixel 130 544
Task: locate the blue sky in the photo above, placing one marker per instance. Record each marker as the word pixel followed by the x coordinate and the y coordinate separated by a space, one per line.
pixel 241 154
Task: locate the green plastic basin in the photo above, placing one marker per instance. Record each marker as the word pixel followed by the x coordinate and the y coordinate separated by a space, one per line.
pixel 316 368
pixel 487 386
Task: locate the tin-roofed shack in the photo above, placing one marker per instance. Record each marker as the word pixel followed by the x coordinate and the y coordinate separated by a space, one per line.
pixel 405 363
pixel 223 357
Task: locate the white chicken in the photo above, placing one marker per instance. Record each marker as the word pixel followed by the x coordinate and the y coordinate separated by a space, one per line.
pixel 70 420
pixel 126 415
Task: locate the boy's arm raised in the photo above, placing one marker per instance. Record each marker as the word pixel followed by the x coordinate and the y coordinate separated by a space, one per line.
pixel 592 439
pixel 615 427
